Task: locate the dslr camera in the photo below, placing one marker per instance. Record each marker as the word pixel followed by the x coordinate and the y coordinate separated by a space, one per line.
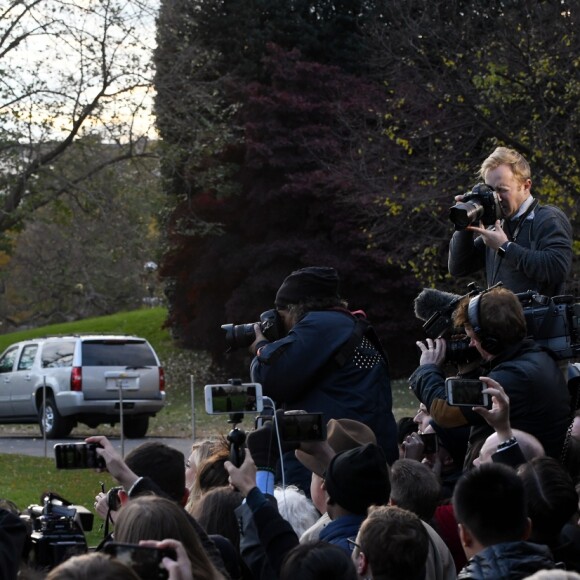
pixel 241 335
pixel 480 204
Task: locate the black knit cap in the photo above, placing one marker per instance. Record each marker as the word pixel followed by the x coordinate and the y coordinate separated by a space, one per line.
pixel 308 283
pixel 358 478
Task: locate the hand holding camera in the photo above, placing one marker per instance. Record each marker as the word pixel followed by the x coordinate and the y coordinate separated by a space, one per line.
pixel 243 478
pixel 492 238
pixel 432 351
pixel 178 567
pixel 102 505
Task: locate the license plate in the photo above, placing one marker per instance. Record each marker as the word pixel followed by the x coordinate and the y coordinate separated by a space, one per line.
pixel 125 384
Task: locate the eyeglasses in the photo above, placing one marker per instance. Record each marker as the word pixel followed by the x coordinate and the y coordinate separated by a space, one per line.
pixel 352 544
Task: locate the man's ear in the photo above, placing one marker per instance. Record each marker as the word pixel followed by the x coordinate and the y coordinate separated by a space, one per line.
pixel 185 497
pixel 123 497
pixel 465 536
pixel 528 531
pixel 362 564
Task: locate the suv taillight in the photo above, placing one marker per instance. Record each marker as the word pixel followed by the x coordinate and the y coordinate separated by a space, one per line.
pixel 76 379
pixel 161 379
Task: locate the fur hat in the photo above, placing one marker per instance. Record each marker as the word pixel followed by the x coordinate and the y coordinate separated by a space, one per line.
pixel 313 282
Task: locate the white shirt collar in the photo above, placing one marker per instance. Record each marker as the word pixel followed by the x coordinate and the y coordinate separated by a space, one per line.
pixel 523 209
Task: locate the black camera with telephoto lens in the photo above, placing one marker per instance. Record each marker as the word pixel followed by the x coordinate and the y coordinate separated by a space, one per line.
pixel 241 335
pixel 480 204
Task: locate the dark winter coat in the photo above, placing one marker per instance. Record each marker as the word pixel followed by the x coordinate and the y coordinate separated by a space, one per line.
pixel 507 561
pixel 300 371
pixel 539 397
pixel 539 259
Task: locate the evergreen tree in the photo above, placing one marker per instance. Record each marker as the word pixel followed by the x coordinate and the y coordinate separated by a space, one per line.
pixel 288 211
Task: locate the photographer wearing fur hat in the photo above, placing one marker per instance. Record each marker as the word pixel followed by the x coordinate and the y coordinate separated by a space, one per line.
pixel 330 361
pixel 538 394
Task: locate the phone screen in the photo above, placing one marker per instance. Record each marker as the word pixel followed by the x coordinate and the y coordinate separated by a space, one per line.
pixel 226 398
pixel 78 456
pixel 303 427
pixel 145 561
pixel 430 443
pixel 466 393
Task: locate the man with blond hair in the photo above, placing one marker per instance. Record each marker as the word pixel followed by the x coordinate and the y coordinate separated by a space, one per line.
pixel 530 248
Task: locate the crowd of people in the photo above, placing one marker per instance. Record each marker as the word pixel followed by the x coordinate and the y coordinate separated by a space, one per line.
pixel 455 492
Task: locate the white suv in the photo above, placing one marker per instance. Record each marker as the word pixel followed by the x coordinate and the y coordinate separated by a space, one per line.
pixel 86 378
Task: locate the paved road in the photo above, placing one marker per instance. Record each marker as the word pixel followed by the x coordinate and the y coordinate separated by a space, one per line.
pixel 37 447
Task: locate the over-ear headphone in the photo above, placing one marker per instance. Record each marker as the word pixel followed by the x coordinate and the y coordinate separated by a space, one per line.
pixel 488 342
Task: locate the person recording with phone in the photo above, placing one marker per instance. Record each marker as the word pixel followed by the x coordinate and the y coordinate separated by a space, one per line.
pixel 495 323
pixel 330 361
pixel 504 445
pixel 500 226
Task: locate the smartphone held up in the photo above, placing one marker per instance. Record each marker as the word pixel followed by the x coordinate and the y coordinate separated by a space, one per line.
pixel 147 562
pixel 225 399
pixel 301 427
pixel 78 456
pixel 466 392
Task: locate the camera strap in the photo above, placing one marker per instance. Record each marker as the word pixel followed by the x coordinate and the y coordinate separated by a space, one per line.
pixel 513 237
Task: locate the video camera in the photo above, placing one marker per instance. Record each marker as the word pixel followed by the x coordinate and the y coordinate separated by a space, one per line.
pixel 436 308
pixel 553 322
pixel 55 531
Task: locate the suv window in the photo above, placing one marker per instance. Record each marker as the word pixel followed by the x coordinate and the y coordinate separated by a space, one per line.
pixel 7 361
pixel 116 353
pixel 57 354
pixel 27 357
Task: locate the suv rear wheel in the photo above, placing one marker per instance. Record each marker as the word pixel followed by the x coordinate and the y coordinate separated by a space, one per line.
pixel 52 421
pixel 135 427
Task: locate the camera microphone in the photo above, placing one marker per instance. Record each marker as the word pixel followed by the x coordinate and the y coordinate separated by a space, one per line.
pixel 436 307
pixel 431 301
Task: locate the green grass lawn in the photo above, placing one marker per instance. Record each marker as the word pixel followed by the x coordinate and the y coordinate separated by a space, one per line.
pixel 24 480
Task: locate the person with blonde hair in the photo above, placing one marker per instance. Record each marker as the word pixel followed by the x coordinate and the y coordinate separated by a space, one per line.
pixel 529 248
pixel 200 451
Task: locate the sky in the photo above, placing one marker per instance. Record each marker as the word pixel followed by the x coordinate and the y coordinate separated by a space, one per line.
pixel 53 56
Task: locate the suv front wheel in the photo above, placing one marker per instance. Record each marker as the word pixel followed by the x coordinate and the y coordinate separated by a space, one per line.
pixel 52 421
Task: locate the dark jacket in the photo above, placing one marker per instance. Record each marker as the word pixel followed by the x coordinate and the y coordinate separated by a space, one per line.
pixel 338 531
pixel 300 371
pixel 265 536
pixel 566 549
pixel 539 398
pixel 508 561
pixel 539 259
pixel 13 537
